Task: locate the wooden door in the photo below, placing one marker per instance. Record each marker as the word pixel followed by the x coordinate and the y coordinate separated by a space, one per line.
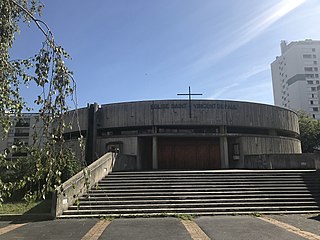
pixel 188 153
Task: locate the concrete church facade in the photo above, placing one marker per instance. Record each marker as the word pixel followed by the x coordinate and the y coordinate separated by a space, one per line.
pixel 179 134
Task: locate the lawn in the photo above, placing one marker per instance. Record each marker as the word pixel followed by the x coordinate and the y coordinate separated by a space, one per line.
pixel 40 207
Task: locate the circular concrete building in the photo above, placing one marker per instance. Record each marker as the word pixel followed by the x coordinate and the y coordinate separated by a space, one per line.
pixel 179 134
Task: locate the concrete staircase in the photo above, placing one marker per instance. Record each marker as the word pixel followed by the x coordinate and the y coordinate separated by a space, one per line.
pixel 201 193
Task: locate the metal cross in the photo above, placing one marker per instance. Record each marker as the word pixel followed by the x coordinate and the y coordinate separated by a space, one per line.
pixel 189 94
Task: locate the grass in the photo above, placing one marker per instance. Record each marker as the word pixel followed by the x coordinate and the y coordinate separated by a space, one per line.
pixel 189 217
pixel 256 214
pixel 22 207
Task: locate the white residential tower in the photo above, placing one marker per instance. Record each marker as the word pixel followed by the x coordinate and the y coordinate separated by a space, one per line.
pixel 295 77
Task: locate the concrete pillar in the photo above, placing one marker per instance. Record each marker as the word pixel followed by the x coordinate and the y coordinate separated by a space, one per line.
pixel 224 152
pixel 91 138
pixel 241 154
pixel 154 153
pixel 224 149
pixel 139 154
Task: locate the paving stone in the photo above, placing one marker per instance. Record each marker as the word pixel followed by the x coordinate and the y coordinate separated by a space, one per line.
pixel 146 228
pixel 242 228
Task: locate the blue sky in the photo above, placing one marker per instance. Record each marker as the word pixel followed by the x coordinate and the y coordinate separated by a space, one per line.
pixel 132 50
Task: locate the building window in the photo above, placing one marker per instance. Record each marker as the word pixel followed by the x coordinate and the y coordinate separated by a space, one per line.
pixel 115 147
pixel 310 82
pixel 315 109
pixel 313 115
pixel 23 122
pixel 313 49
pixel 306 55
pixel 236 149
pixel 315 69
pixel 311 102
pixel 314 56
pixel 308 69
pixel 309 75
pixel 313 89
pixel 315 62
pixel 317 82
pixel 316 75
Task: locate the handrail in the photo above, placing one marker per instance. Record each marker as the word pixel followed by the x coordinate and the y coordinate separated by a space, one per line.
pixel 69 191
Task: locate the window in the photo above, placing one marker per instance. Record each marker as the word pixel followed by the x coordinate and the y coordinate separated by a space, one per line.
pixel 310 82
pixel 308 69
pixel 315 109
pixel 306 55
pixel 236 149
pixel 313 89
pixel 311 102
pixel 23 122
pixel 314 56
pixel 313 49
pixel 315 69
pixel 315 62
pixel 316 75
pixel 20 141
pixel 313 115
pixel 114 147
pixel 312 95
pixel 317 82
pixel 309 75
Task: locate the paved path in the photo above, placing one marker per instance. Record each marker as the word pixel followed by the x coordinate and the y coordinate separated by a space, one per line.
pixel 291 227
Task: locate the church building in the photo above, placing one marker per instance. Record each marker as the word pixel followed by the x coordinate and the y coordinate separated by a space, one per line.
pixel 182 134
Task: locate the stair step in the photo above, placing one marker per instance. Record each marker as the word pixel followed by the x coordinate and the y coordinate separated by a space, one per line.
pixel 207 186
pixel 211 194
pixel 222 177
pixel 97 201
pixel 201 192
pixel 192 198
pixel 187 205
pixel 195 181
pixel 80 215
pixel 193 209
pixel 204 189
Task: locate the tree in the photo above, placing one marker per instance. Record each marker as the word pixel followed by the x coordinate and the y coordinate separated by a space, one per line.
pixel 309 132
pixel 47 71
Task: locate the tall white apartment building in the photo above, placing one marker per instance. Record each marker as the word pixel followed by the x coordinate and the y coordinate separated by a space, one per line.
pixel 21 132
pixel 295 77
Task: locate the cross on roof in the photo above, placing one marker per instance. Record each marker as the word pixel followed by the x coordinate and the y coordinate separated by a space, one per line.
pixel 189 94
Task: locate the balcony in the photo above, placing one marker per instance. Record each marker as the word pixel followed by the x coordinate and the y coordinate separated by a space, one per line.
pixel 21 134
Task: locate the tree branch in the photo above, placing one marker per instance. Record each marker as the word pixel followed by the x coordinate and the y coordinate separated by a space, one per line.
pixel 47 34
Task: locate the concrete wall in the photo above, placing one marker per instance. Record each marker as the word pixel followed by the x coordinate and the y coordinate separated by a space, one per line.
pixel 283 161
pixel 204 112
pixel 125 163
pixel 77 119
pixel 74 144
pixel 129 145
pixel 252 145
pixel 67 193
